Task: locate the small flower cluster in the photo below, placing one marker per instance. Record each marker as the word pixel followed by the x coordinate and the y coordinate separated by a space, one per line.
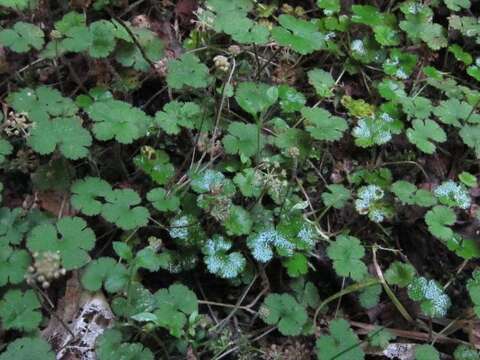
pixel 46 268
pixel 217 205
pixel 221 63
pixel 452 194
pixel 368 203
pixel 219 262
pixel 17 124
pixel 275 180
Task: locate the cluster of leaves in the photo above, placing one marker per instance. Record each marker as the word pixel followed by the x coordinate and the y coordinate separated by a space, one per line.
pixel 235 167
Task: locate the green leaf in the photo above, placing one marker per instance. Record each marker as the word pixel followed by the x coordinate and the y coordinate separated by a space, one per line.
pixel 122 210
pixel 148 259
pixel 341 344
pixel 5 149
pixel 380 338
pixel 466 352
pixel 231 18
pixel 261 244
pixel 457 5
pixel 290 99
pixel 322 81
pixel 77 39
pixel 255 98
pixel 28 349
pixel 293 142
pixel 418 25
pixel 460 54
pixel 471 137
pixel 22 37
pixel 473 287
pixel 474 72
pixel 408 194
pixel 13 265
pixel 366 14
pixel 128 54
pixel 285 312
pixel 187 71
pixel 42 104
pixel 424 198
pixel 337 196
pixel 86 193
pixel 18 5
pixel 399 64
pixel 417 107
pixel 238 222
pixel 297 231
pixel 423 133
pixel 70 20
pixel 386 35
pixel 207 181
pixel 114 119
pixel 249 182
pixel 19 310
pixel 155 163
pixel 426 352
pixel 434 36
pixel 346 253
pixel 305 292
pixel 103 39
pixel 439 219
pixel 111 346
pixel 433 300
pixel 65 133
pixel 370 296
pixel 176 115
pixel 106 271
pixel 173 306
pixel 242 139
pixel 465 248
pixel 139 300
pixel 405 191
pixel 371 131
pixel 391 89
pixel 451 111
pixel 76 239
pixel 329 7
pixel 301 35
pixel 186 230
pixel 452 194
pixel 400 274
pixel 219 261
pixel 468 179
pixel 14 225
pixel 123 250
pixel 297 265
pixel 322 125
pixel 162 201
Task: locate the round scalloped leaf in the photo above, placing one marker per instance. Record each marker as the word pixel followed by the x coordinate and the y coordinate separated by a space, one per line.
pixel 71 237
pixel 285 312
pixel 27 348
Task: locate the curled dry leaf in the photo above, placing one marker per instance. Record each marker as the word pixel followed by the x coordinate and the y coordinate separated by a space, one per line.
pixel 85 315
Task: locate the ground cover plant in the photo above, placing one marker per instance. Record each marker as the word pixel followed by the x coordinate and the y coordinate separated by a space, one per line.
pixel 239 179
